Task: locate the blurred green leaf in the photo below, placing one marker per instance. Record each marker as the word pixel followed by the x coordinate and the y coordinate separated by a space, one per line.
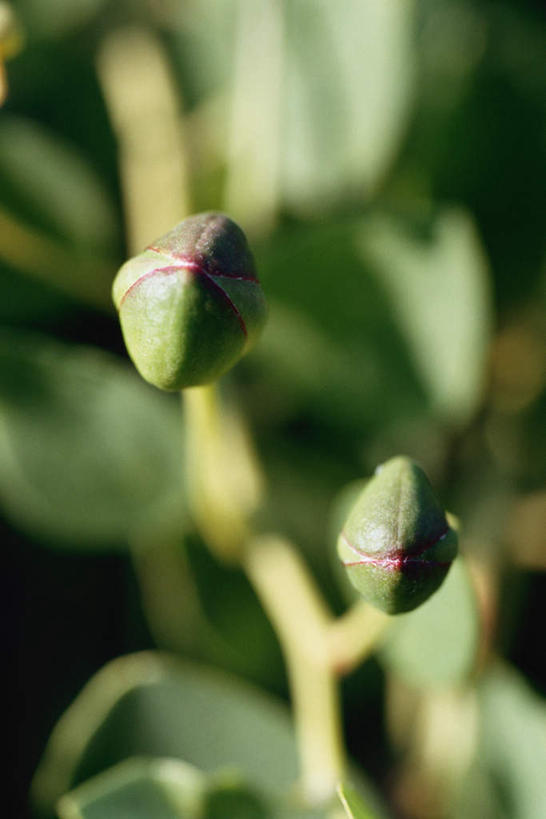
pixel 49 184
pixel 231 798
pixel 89 453
pixel 138 789
pixel 166 788
pixel 353 803
pixel 437 643
pixel 153 705
pixel 514 742
pixel 506 778
pixel 157 706
pixel 56 17
pixel 346 79
pixel 332 343
pixel 349 81
pixel 437 282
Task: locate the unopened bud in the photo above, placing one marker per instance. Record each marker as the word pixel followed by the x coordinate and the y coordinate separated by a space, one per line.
pixel 396 544
pixel 190 305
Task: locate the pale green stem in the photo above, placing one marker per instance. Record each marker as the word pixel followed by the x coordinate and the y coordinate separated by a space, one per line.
pixel 143 101
pixel 316 646
pixel 252 183
pixel 223 477
pixel 354 635
pixel 300 619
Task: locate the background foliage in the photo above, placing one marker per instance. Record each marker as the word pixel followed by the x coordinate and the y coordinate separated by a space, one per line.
pixel 387 162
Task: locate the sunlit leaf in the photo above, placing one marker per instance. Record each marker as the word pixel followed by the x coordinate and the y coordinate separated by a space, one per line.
pixel 334 83
pixel 436 644
pixel 437 281
pixel 89 452
pixel 349 69
pixel 332 342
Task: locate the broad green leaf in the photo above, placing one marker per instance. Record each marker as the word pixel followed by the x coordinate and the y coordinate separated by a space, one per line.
pixel 139 789
pixel 437 281
pixel 353 803
pixel 50 185
pixel 506 777
pixel 56 17
pixel 331 324
pixel 154 705
pixel 349 70
pixel 436 644
pixel 514 742
pixel 162 788
pixel 89 454
pixel 333 83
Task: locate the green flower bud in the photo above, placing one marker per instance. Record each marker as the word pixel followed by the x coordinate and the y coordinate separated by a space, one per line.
pixel 190 305
pixel 396 544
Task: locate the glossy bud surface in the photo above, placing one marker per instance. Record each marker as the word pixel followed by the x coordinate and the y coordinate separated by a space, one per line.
pixel 396 544
pixel 190 305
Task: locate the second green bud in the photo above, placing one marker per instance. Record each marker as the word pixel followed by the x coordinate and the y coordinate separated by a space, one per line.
pixel 397 545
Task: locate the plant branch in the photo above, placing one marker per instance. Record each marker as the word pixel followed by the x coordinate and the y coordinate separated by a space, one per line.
pixel 353 636
pixel 225 488
pixel 300 618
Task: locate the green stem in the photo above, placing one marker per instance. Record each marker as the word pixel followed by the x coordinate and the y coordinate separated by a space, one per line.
pixel 224 485
pixel 300 618
pixel 224 481
pixel 353 636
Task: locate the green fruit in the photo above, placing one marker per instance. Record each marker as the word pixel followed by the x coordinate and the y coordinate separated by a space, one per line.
pixel 396 544
pixel 190 305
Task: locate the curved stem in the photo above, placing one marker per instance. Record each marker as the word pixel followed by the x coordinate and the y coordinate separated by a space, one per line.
pixel 300 618
pixel 225 488
pixel 354 635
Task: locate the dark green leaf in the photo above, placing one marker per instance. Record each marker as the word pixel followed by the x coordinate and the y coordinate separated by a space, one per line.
pixel 138 789
pixel 154 705
pixel 51 186
pixel 89 453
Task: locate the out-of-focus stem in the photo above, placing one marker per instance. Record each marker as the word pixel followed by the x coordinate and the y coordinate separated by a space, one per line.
pixel 223 478
pixel 317 647
pixel 299 616
pixel 143 104
pixel 254 146
pixel 353 636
